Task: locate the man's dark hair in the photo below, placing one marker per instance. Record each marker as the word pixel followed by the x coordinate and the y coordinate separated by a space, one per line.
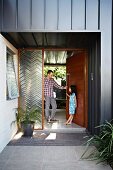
pixel 49 71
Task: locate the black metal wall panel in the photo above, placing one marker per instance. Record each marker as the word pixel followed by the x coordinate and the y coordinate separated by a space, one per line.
pixel 31 81
pixel 9 14
pixel 51 14
pixel 38 14
pixel 112 64
pixel 64 16
pixel 1 15
pixel 92 12
pixel 94 85
pixel 24 15
pixel 106 58
pixel 78 14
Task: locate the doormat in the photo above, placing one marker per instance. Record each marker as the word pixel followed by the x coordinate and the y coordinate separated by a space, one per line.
pixel 51 139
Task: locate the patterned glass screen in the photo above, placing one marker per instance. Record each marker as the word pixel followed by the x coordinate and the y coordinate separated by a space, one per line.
pixel 31 81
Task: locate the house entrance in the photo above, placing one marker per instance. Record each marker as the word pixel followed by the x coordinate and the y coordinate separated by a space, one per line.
pixel 69 67
pixel 82 69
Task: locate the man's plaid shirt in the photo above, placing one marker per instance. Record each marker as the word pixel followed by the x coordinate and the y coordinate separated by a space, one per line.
pixel 48 86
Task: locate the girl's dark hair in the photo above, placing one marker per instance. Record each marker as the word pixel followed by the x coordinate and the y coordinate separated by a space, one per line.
pixel 73 89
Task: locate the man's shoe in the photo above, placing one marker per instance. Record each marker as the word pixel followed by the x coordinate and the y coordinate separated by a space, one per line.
pixel 53 120
pixel 49 120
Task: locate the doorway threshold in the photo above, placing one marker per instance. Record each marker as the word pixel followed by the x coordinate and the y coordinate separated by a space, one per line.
pixel 64 130
pixel 60 126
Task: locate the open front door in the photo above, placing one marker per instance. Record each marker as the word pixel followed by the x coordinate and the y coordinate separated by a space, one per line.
pixel 76 68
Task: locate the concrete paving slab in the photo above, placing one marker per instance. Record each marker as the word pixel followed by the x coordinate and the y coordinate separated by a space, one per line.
pixel 46 158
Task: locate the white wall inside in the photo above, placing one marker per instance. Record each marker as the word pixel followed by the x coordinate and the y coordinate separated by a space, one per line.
pixel 8 126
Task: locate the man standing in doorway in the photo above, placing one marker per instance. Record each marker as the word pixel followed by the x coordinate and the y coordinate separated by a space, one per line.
pixel 49 84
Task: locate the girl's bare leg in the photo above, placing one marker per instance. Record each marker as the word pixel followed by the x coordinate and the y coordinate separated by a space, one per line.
pixel 69 121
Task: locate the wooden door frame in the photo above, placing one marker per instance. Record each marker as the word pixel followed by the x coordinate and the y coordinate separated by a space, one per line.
pixel 86 78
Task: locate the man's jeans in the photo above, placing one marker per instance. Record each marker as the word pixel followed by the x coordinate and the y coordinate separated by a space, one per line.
pixel 48 101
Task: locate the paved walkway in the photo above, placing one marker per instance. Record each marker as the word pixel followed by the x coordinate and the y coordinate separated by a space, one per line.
pixel 58 147
pixel 48 152
pixel 46 158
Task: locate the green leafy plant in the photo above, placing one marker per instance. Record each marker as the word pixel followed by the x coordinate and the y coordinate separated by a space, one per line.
pixel 59 71
pixel 26 120
pixel 103 143
pixel 28 115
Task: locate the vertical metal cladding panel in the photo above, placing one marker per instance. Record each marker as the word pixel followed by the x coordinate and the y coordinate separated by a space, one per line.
pixel 24 15
pixel 78 14
pixel 0 15
pixel 51 14
pixel 64 16
pixel 92 14
pixel 38 14
pixel 31 81
pixel 9 14
pixel 106 58
pixel 91 89
pixel 94 82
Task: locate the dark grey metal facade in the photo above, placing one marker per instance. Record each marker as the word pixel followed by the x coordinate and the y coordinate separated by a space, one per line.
pixel 51 15
pixel 0 15
pixel 68 16
pixel 94 85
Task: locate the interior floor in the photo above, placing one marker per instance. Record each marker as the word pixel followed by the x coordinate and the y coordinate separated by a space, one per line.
pixel 59 125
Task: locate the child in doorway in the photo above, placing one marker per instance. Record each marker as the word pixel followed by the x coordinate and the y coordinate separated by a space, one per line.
pixel 72 103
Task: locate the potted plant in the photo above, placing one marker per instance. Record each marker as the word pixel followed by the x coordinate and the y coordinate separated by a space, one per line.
pixel 26 120
pixel 103 143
